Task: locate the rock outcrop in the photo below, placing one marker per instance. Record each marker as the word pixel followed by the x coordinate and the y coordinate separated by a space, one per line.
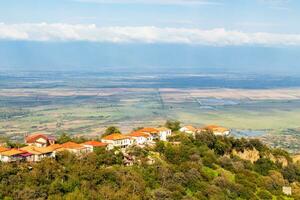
pixel 248 154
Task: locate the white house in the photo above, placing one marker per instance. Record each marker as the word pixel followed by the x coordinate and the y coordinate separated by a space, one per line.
pixel 217 130
pixel 164 132
pixel 117 140
pixel 157 133
pixel 39 140
pixel 188 129
pixel 141 138
pixel 37 153
pixel 12 155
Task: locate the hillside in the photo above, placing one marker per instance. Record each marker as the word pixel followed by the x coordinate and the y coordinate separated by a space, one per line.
pixel 204 167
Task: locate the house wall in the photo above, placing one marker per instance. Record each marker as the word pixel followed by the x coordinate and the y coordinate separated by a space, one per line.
pixel 4 158
pixel 90 148
pixel 117 143
pixel 140 140
pixel 221 133
pixel 163 135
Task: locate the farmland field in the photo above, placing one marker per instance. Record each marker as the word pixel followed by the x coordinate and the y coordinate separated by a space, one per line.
pixel 85 104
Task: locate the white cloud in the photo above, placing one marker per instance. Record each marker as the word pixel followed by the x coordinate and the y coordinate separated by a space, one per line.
pixel 81 32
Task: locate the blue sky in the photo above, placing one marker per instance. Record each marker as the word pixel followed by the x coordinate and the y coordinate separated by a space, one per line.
pixel 281 16
pixel 219 19
pixel 211 23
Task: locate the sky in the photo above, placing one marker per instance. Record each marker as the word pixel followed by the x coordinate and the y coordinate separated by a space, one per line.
pixel 30 25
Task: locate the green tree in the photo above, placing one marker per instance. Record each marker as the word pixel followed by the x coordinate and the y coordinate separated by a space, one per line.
pixel 110 130
pixel 174 125
pixel 160 146
pixel 63 138
pixel 264 165
pixel 291 173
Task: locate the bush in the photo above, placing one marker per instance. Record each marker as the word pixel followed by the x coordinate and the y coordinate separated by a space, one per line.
pixel 291 173
pixel 264 165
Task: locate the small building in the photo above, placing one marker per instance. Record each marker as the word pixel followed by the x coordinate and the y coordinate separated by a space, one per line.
pixel 117 140
pixel 37 153
pixel 189 130
pixel 141 138
pixel 73 148
pixel 40 140
pixel 156 133
pixel 53 148
pixel 163 131
pixel 287 190
pixel 91 145
pixel 217 130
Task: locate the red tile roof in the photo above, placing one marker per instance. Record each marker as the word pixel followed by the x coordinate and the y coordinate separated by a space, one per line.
pixel 34 137
pixel 95 143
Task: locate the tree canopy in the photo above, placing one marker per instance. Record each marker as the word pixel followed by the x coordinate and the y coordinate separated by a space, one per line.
pixel 192 168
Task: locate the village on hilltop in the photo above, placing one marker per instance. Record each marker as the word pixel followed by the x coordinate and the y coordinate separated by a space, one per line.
pixel 39 146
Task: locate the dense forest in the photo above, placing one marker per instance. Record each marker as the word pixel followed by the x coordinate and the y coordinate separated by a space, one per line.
pixel 201 167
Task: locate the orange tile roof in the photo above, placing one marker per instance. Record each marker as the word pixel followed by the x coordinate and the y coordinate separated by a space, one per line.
pixel 95 143
pixel 32 150
pixel 216 128
pixel 3 149
pixel 72 145
pixel 12 152
pixel 54 146
pixel 116 136
pixel 37 150
pixel 138 134
pixel 148 130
